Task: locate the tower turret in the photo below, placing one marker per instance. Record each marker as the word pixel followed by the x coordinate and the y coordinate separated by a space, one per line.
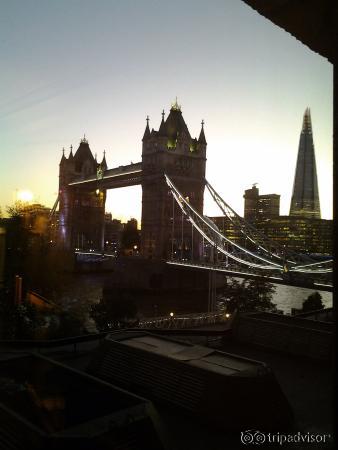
pixel 201 138
pixel 71 156
pixel 146 134
pixel 63 160
pixel 84 161
pixel 104 162
pixel 161 130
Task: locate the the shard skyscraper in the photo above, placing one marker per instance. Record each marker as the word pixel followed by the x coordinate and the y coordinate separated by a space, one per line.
pixel 305 197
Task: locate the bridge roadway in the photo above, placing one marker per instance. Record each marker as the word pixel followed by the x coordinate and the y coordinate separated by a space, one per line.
pixel 122 176
pixel 303 281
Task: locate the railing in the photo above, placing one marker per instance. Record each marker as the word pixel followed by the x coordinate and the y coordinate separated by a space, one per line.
pixel 158 324
pixel 325 314
pixel 51 343
pixel 184 320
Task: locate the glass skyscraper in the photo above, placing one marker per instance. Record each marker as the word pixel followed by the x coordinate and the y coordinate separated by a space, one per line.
pixel 305 197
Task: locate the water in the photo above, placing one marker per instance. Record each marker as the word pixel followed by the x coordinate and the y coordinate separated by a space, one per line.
pixel 79 291
pixel 287 297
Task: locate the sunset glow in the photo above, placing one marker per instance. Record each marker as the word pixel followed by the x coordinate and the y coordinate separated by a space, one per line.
pixel 25 196
pixel 249 80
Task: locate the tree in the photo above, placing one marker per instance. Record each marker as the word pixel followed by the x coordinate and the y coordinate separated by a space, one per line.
pixel 20 321
pixel 313 302
pixel 17 248
pixel 16 210
pixel 248 295
pixel 65 324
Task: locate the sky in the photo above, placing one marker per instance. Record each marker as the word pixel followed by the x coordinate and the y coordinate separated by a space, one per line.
pixel 75 67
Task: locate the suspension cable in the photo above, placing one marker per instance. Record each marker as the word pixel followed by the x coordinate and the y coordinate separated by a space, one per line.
pixel 173 231
pixel 271 265
pixel 243 223
pixel 181 200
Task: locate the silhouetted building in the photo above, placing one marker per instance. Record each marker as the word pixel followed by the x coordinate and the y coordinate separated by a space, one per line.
pixel 227 227
pixel 113 229
pixel 130 239
pixel 303 231
pixel 299 234
pixel 257 207
pixel 36 218
pixel 305 197
pixel 268 206
pixel 172 151
pixel 81 221
pixel 132 224
pixel 251 203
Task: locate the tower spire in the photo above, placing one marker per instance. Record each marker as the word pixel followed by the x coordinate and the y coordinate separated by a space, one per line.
pixel 305 196
pixel 201 138
pixel 175 106
pixel 161 130
pixel 307 121
pixel 63 157
pixel 104 162
pixel 146 131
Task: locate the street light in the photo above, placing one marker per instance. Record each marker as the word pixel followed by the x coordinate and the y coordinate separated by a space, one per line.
pixel 171 314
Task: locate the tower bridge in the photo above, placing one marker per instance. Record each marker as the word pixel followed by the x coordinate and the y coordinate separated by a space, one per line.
pixel 174 228
pixel 84 182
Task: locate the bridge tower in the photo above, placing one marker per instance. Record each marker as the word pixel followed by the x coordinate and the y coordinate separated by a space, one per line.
pixel 171 150
pixel 81 210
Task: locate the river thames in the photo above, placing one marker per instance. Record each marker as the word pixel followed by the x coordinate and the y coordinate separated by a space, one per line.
pixel 80 291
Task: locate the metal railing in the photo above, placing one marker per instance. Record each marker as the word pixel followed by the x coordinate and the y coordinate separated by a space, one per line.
pixel 51 343
pixel 184 320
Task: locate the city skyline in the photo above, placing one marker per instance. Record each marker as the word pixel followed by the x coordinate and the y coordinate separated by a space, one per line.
pixel 250 81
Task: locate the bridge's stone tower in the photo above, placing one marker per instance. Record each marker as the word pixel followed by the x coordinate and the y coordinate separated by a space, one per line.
pixel 171 150
pixel 81 210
